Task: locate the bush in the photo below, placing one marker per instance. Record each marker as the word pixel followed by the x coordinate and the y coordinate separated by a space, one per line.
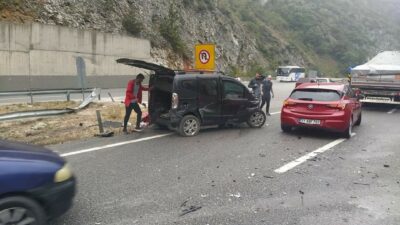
pixel 132 24
pixel 11 4
pixel 169 29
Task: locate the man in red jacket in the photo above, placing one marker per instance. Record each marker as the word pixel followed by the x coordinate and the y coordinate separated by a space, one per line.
pixel 133 98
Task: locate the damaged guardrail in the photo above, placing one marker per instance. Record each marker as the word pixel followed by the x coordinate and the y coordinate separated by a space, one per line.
pixel 51 112
pixel 66 92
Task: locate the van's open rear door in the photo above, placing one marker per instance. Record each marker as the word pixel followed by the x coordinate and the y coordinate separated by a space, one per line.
pixel 158 69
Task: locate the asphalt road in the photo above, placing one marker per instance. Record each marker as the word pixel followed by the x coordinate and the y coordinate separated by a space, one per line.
pixel 228 177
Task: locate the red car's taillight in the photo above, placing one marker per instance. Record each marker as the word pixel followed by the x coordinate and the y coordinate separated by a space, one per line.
pixel 288 103
pixel 175 101
pixel 340 106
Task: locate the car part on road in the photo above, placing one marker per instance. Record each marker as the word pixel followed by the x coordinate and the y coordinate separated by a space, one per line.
pixel 52 112
pixel 257 119
pixel 189 126
pixel 190 210
pixel 21 210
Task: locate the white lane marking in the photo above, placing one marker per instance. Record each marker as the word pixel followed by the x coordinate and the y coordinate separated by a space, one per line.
pixel 392 111
pixel 113 145
pixel 310 155
pixel 275 113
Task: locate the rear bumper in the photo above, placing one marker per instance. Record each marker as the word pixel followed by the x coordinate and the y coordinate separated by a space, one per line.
pixel 56 198
pixel 171 122
pixel 337 122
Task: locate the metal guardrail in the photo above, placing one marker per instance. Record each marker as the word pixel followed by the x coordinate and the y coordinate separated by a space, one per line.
pixel 66 92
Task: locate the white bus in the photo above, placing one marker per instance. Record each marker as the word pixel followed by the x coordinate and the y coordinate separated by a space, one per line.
pixel 290 73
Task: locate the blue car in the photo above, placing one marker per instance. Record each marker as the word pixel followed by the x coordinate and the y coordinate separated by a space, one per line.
pixel 36 184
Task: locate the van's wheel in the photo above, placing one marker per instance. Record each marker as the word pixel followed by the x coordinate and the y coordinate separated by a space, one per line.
pixel 21 210
pixel 286 128
pixel 257 119
pixel 349 131
pixel 358 122
pixel 189 126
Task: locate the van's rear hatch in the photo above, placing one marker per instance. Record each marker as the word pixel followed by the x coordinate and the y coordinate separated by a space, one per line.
pixel 161 81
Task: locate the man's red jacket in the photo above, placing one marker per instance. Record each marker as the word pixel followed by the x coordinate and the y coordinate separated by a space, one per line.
pixel 129 93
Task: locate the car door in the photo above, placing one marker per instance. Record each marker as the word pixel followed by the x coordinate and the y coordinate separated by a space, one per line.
pixel 234 101
pixel 209 100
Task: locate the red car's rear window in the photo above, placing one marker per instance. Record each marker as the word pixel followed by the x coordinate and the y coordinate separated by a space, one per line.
pixel 322 95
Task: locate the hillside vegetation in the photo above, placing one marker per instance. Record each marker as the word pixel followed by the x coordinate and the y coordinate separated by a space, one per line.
pixel 251 35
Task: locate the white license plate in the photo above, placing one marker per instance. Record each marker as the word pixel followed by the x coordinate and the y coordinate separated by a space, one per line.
pixel 311 122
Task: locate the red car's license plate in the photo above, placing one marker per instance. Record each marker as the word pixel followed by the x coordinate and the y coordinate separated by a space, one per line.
pixel 311 122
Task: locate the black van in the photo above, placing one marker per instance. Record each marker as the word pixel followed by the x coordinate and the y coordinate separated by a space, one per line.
pixel 185 101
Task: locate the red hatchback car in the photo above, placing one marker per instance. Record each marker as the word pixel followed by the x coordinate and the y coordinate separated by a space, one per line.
pixel 332 107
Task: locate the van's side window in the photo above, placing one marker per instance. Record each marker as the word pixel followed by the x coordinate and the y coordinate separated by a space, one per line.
pixel 208 87
pixel 233 90
pixel 188 88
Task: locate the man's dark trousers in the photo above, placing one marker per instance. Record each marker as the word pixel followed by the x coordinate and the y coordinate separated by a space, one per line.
pixel 135 106
pixel 266 99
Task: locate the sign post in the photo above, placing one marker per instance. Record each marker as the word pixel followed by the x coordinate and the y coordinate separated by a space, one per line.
pixel 205 57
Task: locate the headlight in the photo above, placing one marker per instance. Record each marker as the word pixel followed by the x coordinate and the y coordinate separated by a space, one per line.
pixel 63 174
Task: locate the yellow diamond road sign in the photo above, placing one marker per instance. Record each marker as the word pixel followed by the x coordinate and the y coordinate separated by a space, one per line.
pixel 205 57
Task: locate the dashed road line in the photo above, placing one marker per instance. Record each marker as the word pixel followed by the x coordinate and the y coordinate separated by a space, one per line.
pixel 83 151
pixel 310 155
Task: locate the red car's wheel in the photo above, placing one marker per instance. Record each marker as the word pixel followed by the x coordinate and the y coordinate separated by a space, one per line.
pixel 349 131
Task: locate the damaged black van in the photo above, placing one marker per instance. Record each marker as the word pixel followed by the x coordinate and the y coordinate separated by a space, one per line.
pixel 186 101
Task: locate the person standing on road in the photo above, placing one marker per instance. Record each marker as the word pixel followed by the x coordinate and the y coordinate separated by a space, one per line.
pixel 267 91
pixel 255 84
pixel 133 98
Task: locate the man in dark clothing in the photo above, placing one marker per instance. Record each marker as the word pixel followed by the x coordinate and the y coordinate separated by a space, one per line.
pixel 266 93
pixel 133 98
pixel 255 84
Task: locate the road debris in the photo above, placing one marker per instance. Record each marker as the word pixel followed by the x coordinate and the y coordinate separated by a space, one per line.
pixel 190 210
pixel 302 197
pixel 269 177
pixel 184 203
pixel 386 166
pixel 358 183
pixel 262 155
pixel 238 195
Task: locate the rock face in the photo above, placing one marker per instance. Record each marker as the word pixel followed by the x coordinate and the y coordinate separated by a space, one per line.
pixel 249 34
pixel 234 45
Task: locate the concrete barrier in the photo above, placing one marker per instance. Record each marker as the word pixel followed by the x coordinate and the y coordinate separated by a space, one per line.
pixel 36 56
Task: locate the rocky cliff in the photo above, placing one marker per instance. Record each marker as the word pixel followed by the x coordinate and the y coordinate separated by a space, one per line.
pixel 250 35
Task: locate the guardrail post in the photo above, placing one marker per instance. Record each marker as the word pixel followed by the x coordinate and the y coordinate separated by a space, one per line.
pixel 68 96
pixel 100 122
pixel 31 95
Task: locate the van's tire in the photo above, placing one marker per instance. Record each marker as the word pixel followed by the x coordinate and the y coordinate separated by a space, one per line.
pixel 358 122
pixel 189 126
pixel 28 210
pixel 348 132
pixel 257 119
pixel 286 128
